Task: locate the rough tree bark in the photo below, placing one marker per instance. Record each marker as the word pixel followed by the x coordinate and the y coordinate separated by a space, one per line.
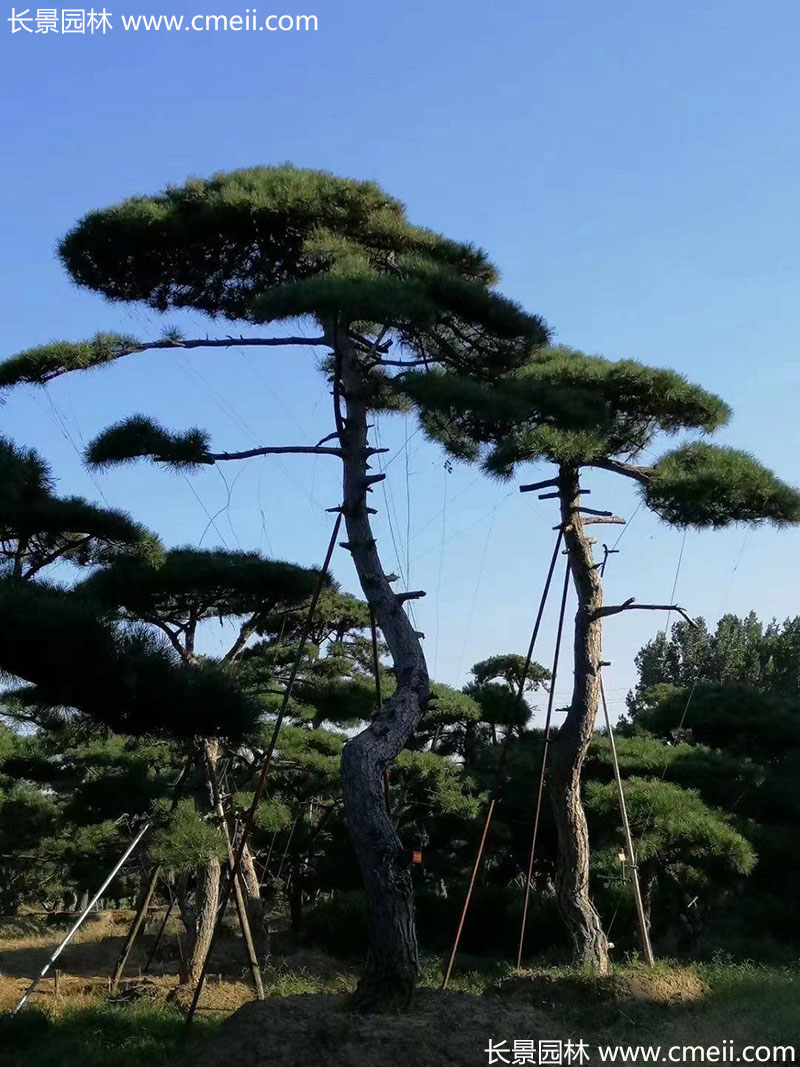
pixel 256 909
pixel 199 922
pixel 572 741
pixel 393 963
pixel 199 917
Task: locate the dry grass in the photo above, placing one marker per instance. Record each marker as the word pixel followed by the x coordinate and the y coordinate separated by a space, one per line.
pixel 85 965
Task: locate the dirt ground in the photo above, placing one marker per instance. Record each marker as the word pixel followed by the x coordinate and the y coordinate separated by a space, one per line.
pixel 304 1019
pixel 445 1028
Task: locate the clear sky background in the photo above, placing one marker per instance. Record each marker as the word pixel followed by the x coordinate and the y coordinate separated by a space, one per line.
pixel 631 167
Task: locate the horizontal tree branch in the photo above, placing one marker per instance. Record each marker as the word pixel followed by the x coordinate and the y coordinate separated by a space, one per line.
pixel 630 605
pixel 628 470
pixel 227 342
pixel 277 450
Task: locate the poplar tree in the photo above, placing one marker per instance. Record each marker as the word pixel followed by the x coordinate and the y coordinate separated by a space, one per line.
pixel 276 244
pixel 606 416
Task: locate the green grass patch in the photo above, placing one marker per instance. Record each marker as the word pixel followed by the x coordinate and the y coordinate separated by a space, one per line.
pixel 98 1036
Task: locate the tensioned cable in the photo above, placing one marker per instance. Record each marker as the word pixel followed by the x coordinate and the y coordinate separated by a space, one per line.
pixel 478 580
pixel 441 568
pixel 463 529
pixel 502 761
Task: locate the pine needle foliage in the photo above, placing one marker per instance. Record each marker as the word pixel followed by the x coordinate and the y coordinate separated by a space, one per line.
pixel 38 365
pixel 140 437
pixel 576 410
pixel 674 827
pixel 37 527
pixel 216 244
pixel 706 485
pixel 130 680
pixel 196 584
pixel 267 244
pixel 186 839
pixel 735 717
pixel 435 315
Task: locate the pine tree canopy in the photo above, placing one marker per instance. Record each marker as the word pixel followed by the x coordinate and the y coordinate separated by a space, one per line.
pixel 674 828
pixel 708 485
pixel 510 668
pixel 216 244
pixel 37 527
pixel 574 410
pixel 75 655
pixel 274 243
pixel 190 585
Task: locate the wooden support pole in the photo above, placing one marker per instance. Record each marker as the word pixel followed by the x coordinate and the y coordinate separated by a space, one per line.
pixel 239 898
pixel 542 773
pixel 144 902
pixel 644 933
pixel 267 763
pixel 501 765
pixel 139 920
pixel 159 935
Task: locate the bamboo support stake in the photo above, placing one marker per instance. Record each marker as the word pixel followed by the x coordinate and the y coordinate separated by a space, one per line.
pixel 266 764
pixel 239 900
pixel 81 918
pixel 144 903
pixel 501 765
pixel 540 793
pixel 644 933
pixel 137 924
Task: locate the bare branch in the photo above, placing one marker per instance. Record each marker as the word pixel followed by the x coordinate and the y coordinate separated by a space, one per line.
pixel 278 450
pixel 629 470
pixel 630 605
pixel 228 342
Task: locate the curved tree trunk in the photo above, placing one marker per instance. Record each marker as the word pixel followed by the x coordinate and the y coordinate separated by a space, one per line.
pixel 393 963
pixel 572 742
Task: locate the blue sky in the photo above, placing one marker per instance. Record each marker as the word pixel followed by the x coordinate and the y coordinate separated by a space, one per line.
pixel 632 168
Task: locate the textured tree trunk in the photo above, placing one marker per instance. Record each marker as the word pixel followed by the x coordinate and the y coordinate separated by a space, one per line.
pixel 200 922
pixel 392 963
pixel 572 742
pixel 256 910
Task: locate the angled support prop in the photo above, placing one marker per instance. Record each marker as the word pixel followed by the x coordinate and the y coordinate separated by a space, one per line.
pixel 501 766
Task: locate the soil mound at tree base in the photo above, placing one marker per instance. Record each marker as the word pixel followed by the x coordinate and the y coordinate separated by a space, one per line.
pixel 675 986
pixel 441 1028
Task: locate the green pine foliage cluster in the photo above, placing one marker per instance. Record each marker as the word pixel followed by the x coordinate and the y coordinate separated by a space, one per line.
pixel 573 410
pixel 139 437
